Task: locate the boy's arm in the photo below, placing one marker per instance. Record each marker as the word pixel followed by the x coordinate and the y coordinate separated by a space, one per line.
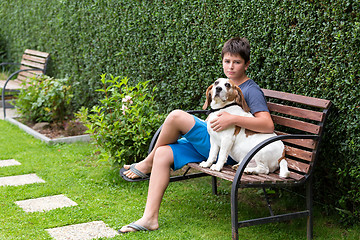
pixel 261 122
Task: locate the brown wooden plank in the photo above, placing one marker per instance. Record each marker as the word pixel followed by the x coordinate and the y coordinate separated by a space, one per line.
pixel 310 101
pixel 298 166
pixel 22 78
pixel 37 53
pixel 299 153
pixel 297 124
pixel 34 59
pixel 38 72
pixel 263 178
pixel 32 64
pixel 11 85
pixel 296 112
pixel 228 173
pixel 293 175
pixel 307 143
pixel 28 74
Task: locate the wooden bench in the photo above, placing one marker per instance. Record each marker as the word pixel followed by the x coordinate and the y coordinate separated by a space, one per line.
pixel 299 123
pixel 32 63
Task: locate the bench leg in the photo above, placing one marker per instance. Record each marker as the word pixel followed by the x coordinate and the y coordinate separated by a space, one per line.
pixel 309 204
pixel 234 213
pixel 214 185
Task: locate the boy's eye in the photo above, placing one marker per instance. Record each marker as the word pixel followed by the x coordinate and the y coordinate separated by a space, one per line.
pixel 227 85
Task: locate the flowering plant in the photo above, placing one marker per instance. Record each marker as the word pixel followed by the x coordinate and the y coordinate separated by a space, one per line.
pixel 124 122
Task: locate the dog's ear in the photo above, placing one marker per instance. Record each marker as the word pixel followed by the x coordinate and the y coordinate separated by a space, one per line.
pixel 208 97
pixel 241 100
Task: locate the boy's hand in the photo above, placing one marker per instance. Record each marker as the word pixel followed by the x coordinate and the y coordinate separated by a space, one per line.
pixel 223 121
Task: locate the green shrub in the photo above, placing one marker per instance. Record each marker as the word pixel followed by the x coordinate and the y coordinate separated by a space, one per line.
pixel 124 122
pixel 45 99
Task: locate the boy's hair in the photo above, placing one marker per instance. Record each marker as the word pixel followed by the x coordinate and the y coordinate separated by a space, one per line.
pixel 237 46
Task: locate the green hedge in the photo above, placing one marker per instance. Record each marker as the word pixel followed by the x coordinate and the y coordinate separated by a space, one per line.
pixel 303 47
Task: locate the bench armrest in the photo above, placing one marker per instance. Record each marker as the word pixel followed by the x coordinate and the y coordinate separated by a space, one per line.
pixel 2 65
pixel 9 63
pixel 23 70
pixel 260 146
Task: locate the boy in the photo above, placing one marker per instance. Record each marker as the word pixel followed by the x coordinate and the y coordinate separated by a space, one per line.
pixel 169 152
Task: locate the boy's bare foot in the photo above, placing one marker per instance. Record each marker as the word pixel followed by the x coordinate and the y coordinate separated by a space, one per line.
pixel 142 166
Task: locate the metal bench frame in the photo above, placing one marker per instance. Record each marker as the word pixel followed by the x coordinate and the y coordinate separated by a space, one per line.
pixel 33 63
pixel 304 144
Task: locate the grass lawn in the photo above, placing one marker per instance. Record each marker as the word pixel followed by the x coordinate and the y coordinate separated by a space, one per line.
pixel 189 210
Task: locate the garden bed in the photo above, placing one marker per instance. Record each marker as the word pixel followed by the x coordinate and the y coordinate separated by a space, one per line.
pixel 50 133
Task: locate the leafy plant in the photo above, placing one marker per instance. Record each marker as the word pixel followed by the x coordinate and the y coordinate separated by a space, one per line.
pixel 45 99
pixel 124 122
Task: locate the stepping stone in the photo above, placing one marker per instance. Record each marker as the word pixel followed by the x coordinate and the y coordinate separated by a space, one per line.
pixel 45 203
pixel 20 180
pixel 83 231
pixel 10 162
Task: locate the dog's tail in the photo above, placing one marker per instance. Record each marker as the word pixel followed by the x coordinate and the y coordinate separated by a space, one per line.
pixel 284 171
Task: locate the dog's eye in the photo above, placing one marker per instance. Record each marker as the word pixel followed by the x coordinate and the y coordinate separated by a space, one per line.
pixel 216 83
pixel 227 85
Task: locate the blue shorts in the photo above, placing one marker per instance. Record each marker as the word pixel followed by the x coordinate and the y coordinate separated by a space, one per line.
pixel 194 146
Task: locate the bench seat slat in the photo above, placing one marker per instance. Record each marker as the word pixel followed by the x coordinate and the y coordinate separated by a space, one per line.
pixel 227 173
pixel 28 74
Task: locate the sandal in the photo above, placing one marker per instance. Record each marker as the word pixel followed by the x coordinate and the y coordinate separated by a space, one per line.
pixel 135 226
pixel 142 176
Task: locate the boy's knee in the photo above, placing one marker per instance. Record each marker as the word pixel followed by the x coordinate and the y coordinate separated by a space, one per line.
pixel 164 155
pixel 175 115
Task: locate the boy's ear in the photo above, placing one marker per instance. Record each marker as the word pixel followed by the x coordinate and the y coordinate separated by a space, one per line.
pixel 208 97
pixel 247 65
pixel 241 100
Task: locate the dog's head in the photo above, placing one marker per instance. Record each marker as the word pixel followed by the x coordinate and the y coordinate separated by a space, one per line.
pixel 224 91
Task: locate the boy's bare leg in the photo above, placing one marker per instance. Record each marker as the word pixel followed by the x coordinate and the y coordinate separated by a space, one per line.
pixel 177 122
pixel 159 180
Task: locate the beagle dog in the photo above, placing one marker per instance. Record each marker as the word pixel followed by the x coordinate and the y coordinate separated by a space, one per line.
pixel 222 96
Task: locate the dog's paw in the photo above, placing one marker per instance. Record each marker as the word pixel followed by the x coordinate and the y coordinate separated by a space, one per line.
pixel 204 164
pixel 235 167
pixel 215 167
pixel 248 171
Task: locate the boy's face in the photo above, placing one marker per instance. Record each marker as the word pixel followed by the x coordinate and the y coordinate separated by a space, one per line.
pixel 235 67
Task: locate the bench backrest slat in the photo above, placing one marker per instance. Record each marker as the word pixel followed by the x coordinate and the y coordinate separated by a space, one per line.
pixel 296 114
pixel 306 143
pixel 299 153
pixel 310 101
pixel 32 59
pixel 296 124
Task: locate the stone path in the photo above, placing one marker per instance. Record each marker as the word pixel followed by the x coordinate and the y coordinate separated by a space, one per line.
pixel 45 203
pixel 10 162
pixel 20 180
pixel 83 231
